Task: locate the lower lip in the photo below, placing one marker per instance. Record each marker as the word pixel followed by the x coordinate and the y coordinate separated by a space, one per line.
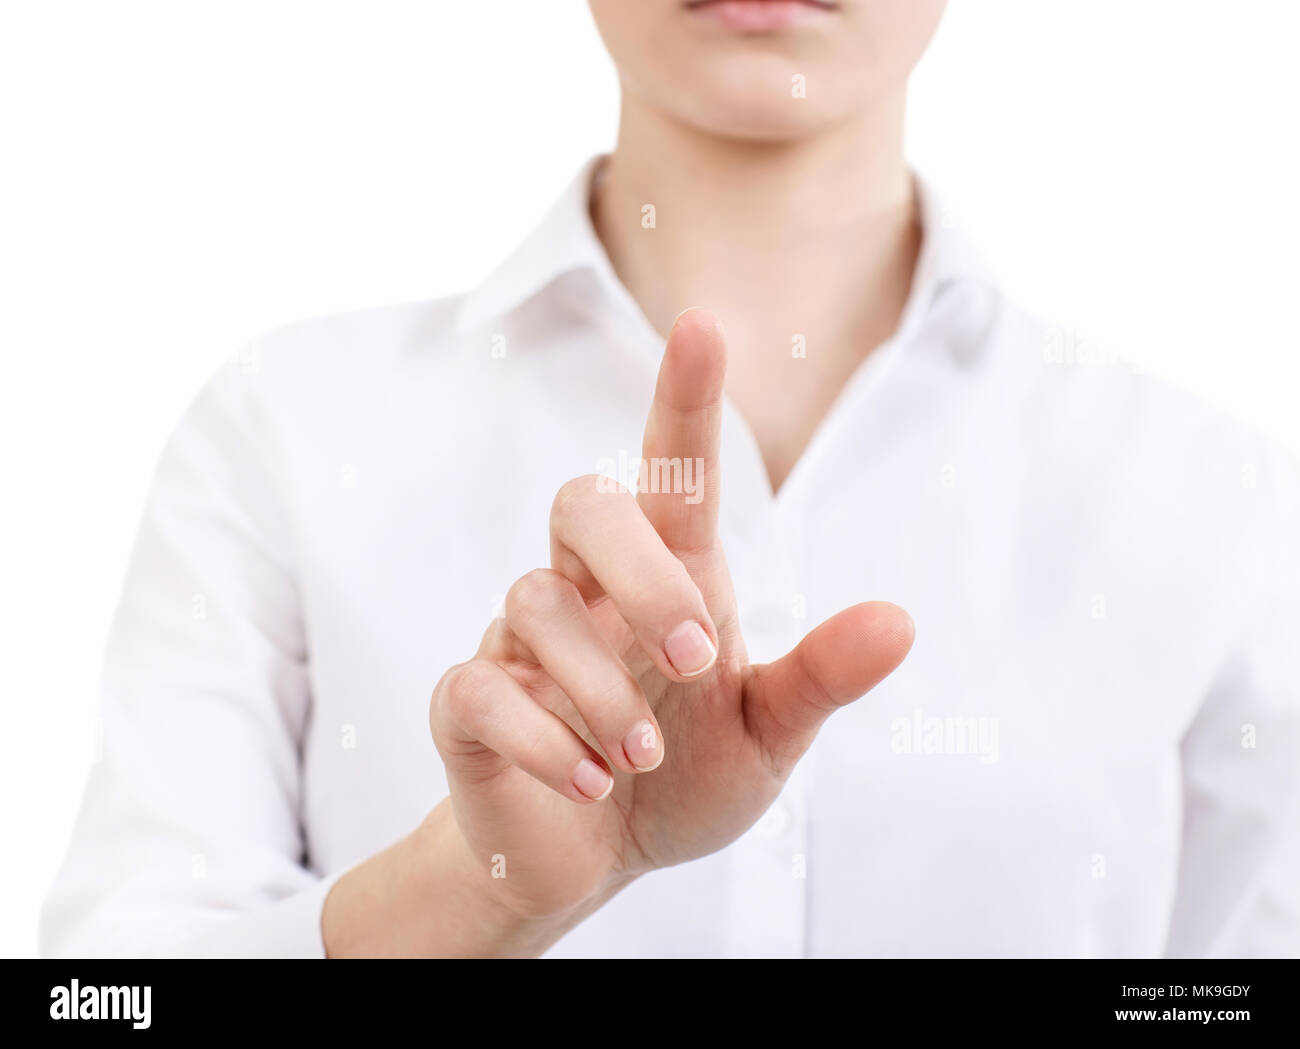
pixel 760 16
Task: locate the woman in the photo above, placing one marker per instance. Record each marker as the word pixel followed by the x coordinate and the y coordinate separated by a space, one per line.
pixel 1091 748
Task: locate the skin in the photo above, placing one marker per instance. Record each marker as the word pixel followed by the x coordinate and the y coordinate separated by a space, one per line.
pixel 612 723
pixel 785 216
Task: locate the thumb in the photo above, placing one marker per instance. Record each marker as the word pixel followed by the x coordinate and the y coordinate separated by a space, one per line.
pixel 836 663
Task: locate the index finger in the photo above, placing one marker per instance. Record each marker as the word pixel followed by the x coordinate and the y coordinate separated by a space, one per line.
pixel 680 486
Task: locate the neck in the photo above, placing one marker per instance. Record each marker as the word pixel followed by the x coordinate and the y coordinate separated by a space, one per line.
pixel 815 238
pixel 745 227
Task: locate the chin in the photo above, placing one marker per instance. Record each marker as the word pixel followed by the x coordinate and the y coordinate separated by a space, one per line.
pixel 753 124
pixel 757 102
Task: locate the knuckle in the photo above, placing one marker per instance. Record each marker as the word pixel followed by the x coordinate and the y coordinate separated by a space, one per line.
pixel 670 594
pixel 535 594
pixel 577 496
pixel 618 695
pixel 467 691
pixel 535 750
pixel 571 498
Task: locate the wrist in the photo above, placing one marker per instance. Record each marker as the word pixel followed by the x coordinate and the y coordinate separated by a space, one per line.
pixel 514 925
pixel 441 849
pixel 426 897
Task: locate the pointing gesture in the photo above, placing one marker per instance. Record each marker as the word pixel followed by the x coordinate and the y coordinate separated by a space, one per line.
pixel 611 723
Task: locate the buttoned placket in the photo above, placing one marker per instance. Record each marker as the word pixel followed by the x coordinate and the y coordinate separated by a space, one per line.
pixel 767 865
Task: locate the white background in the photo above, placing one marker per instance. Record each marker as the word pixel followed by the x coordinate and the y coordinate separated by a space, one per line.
pixel 179 175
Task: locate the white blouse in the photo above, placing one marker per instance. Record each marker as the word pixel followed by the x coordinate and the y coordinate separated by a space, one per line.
pixel 1093 748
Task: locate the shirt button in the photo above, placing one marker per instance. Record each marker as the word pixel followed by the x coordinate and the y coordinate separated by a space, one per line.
pixel 774 822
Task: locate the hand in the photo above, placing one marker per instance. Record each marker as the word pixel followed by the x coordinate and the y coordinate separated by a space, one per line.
pixel 611 723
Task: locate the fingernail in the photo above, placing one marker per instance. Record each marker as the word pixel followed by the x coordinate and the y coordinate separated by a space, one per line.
pixel 592 780
pixel 689 649
pixel 642 747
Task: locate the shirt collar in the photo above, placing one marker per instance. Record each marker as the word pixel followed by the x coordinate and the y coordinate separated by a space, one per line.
pixel 565 242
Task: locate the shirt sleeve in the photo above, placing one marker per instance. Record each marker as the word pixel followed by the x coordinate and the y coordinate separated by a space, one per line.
pixel 188 841
pixel 1238 891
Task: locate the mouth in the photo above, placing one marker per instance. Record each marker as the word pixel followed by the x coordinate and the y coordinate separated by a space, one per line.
pixel 761 16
